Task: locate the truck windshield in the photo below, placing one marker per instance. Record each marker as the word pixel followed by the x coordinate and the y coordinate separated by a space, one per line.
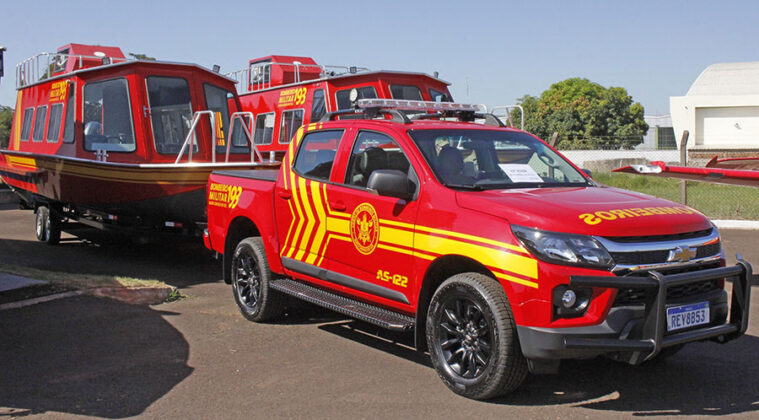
pixel 494 159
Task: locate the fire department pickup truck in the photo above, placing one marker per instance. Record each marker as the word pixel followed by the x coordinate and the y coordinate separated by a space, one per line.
pixel 498 253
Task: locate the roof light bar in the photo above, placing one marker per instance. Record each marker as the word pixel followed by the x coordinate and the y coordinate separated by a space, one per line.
pixel 419 105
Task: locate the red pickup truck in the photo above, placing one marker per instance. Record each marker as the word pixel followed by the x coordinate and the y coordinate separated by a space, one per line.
pixel 498 253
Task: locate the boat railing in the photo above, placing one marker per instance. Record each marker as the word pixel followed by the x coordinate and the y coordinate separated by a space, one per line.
pixel 43 65
pixel 214 118
pixel 504 112
pixel 258 75
pixel 246 128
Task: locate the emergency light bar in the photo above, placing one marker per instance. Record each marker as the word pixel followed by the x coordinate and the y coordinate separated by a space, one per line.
pixel 419 105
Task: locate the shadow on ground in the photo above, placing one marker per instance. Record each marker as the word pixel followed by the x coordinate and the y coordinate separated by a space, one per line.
pixel 177 262
pixel 88 356
pixel 702 379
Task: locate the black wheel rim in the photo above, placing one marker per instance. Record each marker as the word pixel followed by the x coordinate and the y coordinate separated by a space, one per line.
pixel 464 337
pixel 247 280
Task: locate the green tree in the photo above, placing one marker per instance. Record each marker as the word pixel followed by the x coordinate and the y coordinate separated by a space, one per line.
pixel 586 115
pixel 6 116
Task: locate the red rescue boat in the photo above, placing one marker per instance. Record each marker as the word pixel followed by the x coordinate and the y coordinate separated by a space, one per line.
pixel 102 139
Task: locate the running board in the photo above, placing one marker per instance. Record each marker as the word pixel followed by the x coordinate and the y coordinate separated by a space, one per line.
pixel 363 311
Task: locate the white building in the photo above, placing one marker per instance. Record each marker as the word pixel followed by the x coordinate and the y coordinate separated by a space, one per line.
pixel 660 135
pixel 721 109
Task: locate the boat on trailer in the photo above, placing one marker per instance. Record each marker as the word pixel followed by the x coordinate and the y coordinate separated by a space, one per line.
pixel 120 143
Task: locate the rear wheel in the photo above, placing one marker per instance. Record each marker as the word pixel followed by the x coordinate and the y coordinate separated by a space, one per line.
pixel 472 337
pixel 47 226
pixel 250 282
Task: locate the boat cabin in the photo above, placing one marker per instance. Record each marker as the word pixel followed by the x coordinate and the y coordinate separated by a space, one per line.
pixel 91 102
pixel 282 92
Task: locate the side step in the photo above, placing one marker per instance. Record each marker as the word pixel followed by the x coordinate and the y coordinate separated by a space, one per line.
pixel 346 306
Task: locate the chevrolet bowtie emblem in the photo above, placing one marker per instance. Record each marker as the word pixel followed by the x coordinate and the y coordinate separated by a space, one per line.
pixel 681 254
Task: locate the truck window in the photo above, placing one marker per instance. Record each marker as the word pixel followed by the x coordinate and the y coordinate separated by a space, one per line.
pixel 291 120
pixel 108 116
pixel 343 96
pixel 39 123
pixel 26 128
pixel 317 154
pixel 170 112
pixel 68 124
pixel 406 92
pixel 319 107
pixel 439 96
pixel 264 130
pixel 374 151
pixel 54 123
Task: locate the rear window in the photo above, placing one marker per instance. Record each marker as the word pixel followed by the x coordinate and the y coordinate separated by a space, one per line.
pixel 317 154
pixel 343 96
pixel 406 92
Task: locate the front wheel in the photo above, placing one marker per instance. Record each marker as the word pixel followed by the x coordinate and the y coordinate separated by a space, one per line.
pixel 472 337
pixel 250 282
pixel 47 226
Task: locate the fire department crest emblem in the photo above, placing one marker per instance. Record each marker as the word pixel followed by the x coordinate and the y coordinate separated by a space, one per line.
pixel 365 228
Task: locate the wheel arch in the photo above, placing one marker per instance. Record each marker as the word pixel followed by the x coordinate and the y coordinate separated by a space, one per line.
pixel 437 272
pixel 239 228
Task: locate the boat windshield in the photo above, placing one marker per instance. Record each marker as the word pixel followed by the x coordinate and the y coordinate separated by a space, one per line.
pixel 494 159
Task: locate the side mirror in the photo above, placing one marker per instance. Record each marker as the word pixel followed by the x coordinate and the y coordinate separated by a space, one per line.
pixel 389 182
pixel 588 172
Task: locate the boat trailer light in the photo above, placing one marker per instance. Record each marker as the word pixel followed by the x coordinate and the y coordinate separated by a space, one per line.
pixel 419 105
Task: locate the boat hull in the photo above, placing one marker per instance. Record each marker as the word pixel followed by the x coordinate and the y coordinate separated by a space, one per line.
pixel 174 192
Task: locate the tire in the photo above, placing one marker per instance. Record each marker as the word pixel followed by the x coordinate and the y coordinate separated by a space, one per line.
pixel 47 226
pixel 472 338
pixel 250 283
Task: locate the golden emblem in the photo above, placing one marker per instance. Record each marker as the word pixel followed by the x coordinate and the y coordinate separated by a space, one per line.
pixel 364 228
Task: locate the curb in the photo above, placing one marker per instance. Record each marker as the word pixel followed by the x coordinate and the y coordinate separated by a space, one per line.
pixel 736 224
pixel 130 295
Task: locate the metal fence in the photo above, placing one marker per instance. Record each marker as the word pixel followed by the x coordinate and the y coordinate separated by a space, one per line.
pixel 716 201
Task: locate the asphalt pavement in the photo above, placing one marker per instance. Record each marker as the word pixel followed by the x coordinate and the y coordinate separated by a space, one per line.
pixel 199 358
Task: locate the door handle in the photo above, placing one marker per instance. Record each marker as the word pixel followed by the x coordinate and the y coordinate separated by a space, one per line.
pixel 337 205
pixel 285 194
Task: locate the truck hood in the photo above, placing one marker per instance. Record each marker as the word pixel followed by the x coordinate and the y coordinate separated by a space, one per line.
pixel 601 211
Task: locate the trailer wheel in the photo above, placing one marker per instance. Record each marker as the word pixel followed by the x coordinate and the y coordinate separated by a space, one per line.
pixel 472 337
pixel 47 226
pixel 250 282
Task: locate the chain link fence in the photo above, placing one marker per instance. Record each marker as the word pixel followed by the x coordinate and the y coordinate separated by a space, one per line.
pixel 714 200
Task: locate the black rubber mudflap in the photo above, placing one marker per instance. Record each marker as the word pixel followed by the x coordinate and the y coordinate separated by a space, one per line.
pixel 353 308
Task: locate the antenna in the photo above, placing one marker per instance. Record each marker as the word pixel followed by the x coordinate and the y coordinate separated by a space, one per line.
pixel 2 66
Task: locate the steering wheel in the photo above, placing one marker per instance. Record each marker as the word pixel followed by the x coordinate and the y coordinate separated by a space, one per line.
pixel 548 160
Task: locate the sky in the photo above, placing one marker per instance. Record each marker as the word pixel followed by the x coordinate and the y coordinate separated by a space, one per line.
pixel 492 52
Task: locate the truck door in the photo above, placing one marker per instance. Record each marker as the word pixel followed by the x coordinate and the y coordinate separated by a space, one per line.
pixel 371 238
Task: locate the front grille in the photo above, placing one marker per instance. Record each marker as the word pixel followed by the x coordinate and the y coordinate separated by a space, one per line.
pixel 660 238
pixel 659 256
pixel 637 296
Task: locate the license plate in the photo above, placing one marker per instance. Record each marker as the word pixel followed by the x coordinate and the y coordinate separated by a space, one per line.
pixel 679 317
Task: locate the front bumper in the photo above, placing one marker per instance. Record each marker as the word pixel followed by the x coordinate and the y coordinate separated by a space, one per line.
pixel 637 334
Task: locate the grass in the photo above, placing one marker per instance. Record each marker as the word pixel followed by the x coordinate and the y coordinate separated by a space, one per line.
pixel 715 201
pixel 79 281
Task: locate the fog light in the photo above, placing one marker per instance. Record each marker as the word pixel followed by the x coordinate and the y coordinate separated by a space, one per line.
pixel 571 303
pixel 568 299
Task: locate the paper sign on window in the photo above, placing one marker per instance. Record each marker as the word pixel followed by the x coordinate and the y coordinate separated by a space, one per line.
pixel 520 172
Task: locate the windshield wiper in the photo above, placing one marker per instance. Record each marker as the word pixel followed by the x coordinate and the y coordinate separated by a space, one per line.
pixel 465 187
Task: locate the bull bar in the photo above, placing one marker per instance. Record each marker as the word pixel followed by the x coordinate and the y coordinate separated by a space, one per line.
pixel 653 339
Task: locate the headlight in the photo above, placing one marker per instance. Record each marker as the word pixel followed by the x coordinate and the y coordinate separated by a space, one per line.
pixel 563 248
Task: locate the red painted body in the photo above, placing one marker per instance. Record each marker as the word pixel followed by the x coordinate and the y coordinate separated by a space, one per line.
pixel 309 220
